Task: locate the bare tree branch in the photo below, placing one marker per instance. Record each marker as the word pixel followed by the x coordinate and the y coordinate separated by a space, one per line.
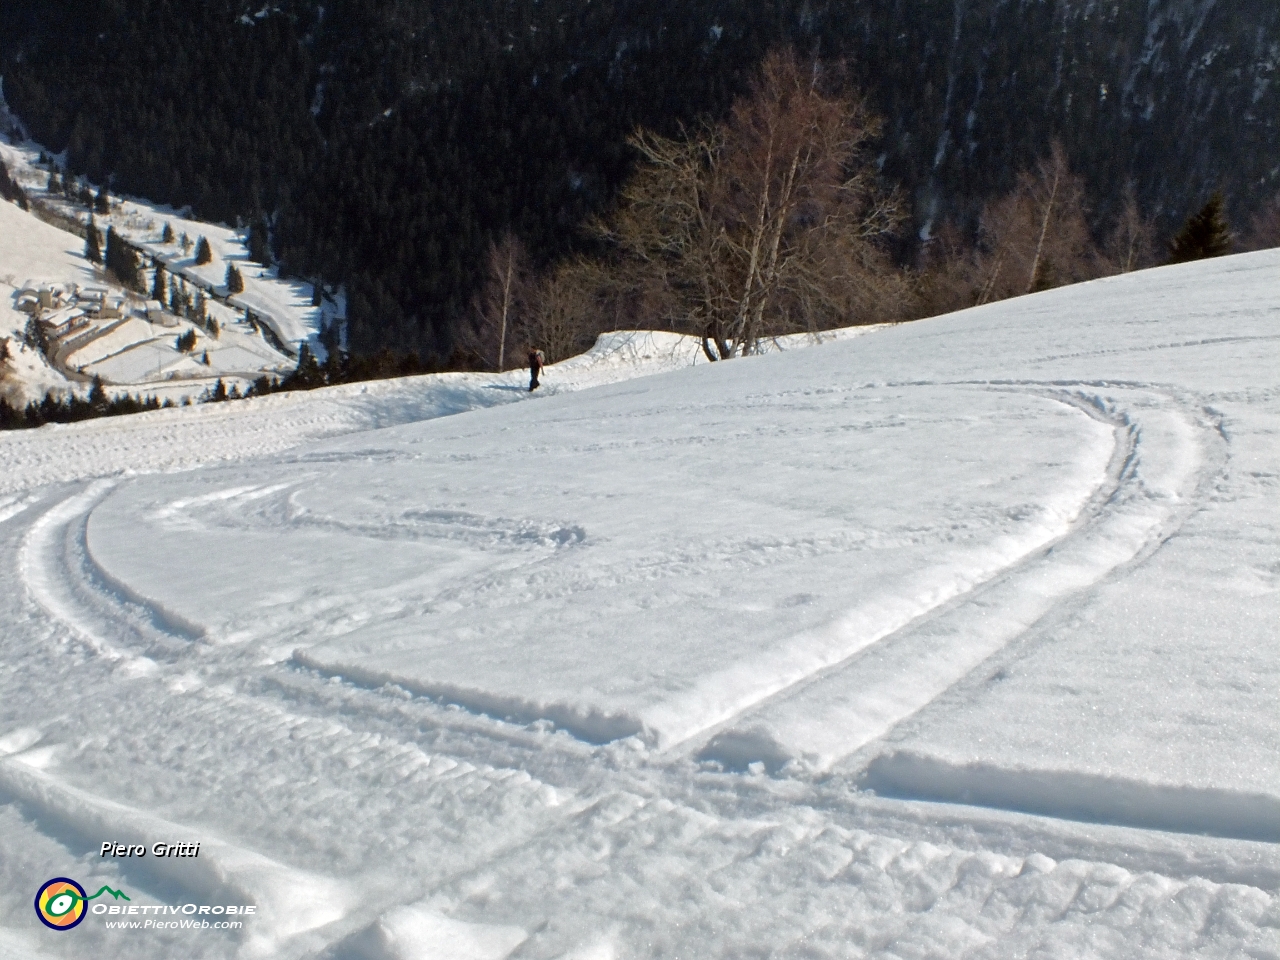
pixel 772 222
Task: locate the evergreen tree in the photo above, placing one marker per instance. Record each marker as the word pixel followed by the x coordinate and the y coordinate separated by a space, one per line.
pixel 203 253
pixel 187 342
pixel 259 242
pixel 93 242
pixel 98 395
pixel 167 235
pixel 9 188
pixel 122 261
pixel 200 311
pixel 113 248
pixel 308 375
pixel 1205 234
pixel 235 283
pixel 158 284
pixel 55 182
pixel 101 203
pixel 34 336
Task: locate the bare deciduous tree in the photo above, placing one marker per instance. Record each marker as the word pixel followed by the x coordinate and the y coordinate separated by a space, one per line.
pixel 563 317
pixel 766 224
pixel 948 274
pixel 499 307
pixel 1264 228
pixel 1036 237
pixel 1131 244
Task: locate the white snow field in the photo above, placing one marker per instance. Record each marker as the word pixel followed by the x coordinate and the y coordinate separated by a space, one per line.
pixel 959 638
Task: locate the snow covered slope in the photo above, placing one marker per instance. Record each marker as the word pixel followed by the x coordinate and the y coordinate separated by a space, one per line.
pixel 956 639
pixel 130 353
pixel 141 356
pixel 31 250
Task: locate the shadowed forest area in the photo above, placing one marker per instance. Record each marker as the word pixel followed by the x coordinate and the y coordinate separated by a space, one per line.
pixel 396 149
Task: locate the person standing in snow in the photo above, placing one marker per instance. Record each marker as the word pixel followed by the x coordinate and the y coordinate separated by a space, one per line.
pixel 536 362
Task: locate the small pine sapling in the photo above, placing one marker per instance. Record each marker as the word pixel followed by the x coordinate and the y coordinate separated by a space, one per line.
pixel 204 254
pixel 235 282
pixel 166 236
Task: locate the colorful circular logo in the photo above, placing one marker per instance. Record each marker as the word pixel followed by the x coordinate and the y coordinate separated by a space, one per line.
pixel 60 904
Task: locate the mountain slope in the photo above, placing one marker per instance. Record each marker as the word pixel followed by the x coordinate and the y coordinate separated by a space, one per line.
pixel 681 665
pixel 393 140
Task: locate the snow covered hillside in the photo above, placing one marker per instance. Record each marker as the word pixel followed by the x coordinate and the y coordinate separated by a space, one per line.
pixel 136 349
pixel 956 639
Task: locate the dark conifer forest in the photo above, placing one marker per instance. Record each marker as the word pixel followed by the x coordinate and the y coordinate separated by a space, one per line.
pixel 383 144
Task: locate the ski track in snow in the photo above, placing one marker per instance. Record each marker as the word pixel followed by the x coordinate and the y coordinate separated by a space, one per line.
pixel 855 704
pixel 376 816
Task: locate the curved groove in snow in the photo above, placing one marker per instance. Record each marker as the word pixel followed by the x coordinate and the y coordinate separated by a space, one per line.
pixel 816 653
pixel 59 571
pixel 1158 465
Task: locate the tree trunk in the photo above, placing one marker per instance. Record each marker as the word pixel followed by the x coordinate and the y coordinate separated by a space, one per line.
pixel 1044 223
pixel 506 309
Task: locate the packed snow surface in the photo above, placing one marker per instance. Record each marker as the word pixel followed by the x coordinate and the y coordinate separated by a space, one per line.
pixel 951 639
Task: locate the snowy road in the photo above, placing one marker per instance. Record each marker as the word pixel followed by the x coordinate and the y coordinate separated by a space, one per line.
pixel 957 639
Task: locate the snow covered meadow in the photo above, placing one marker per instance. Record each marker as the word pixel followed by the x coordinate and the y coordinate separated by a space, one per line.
pixel 951 639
